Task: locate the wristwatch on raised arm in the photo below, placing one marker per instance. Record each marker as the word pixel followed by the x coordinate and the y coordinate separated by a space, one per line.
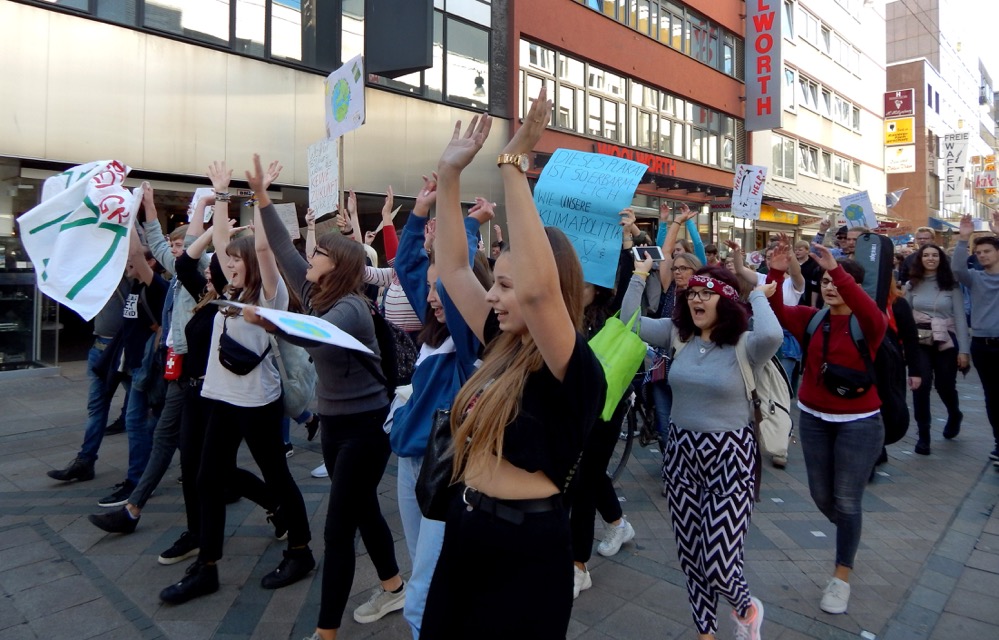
pixel 519 160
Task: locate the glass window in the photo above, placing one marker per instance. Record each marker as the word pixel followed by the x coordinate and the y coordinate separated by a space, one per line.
pixel 204 20
pixel 537 56
pixel 568 108
pixel 787 21
pixel 352 29
pixel 808 159
pixel 856 119
pixel 678 139
pixel 826 165
pixel 613 120
pixel 593 116
pixel 286 30
pixel 783 156
pixel 789 88
pixel 434 76
pixel 728 55
pixel 826 39
pixel 698 145
pixel 467 67
pixel 570 70
pixel 702 39
pixel 728 153
pixel 82 5
pixel 120 11
pixel 665 135
pixel 825 105
pixel 644 16
pixel 250 27
pixel 856 174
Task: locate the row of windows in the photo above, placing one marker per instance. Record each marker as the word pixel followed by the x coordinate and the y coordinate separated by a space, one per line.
pixel 804 92
pixel 287 31
pixel 676 26
pixel 790 155
pixel 595 102
pixel 819 35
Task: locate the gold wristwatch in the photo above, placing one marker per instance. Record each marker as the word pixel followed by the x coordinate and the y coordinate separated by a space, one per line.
pixel 519 160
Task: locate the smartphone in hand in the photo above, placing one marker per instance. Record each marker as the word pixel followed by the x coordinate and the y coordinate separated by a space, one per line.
pixel 640 253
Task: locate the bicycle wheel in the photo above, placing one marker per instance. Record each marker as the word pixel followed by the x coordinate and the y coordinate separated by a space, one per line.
pixel 626 438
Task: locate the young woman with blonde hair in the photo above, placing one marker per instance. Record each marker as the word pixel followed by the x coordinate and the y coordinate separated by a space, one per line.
pixel 520 422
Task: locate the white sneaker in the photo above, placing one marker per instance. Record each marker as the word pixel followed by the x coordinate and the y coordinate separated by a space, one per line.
pixel 749 630
pixel 381 603
pixel 836 596
pixel 581 581
pixel 320 471
pixel 614 537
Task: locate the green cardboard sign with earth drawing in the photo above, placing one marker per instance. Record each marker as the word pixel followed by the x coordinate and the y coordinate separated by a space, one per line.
pixel 344 98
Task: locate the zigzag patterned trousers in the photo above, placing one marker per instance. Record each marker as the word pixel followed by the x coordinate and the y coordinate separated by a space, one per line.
pixel 710 493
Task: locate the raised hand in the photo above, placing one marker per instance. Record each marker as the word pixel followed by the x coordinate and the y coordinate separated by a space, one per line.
pixel 273 171
pixel 255 179
pixel 369 237
pixel 427 196
pixel 663 212
pixel 482 210
pixel 430 232
pixel 644 266
pixel 220 174
pixel 461 150
pixel 535 122
pixel 734 249
pixel 498 231
pixel 310 218
pixel 824 225
pixel 387 207
pixel 627 217
pixel 966 227
pixel 824 257
pixel 781 257
pixel 686 213
pixel 147 202
pixel 767 289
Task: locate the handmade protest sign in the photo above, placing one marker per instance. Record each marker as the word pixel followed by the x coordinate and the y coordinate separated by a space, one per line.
pixel 858 210
pixel 324 177
pixel 303 326
pixel 200 193
pixel 289 216
pixel 344 92
pixel 747 194
pixel 77 238
pixel 581 194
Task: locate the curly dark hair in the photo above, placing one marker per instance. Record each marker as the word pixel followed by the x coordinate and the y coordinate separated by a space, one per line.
pixel 945 276
pixel 733 317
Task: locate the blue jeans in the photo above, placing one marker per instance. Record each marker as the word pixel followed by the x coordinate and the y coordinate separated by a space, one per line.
pixel 424 539
pixel 139 425
pixel 839 457
pixel 662 396
pixel 98 404
pixel 166 438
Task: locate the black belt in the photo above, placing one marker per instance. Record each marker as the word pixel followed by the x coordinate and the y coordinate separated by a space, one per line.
pixel 989 342
pixel 509 510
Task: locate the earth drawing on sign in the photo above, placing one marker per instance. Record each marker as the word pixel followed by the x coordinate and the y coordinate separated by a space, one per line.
pixel 854 213
pixel 341 100
pixel 304 327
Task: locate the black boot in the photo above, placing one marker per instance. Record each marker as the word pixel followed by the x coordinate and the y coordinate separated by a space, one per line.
pixel 200 579
pixel 953 426
pixel 78 470
pixel 923 442
pixel 296 565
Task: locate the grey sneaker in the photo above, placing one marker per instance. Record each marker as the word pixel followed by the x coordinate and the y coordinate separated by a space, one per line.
pixel 836 596
pixel 750 629
pixel 381 603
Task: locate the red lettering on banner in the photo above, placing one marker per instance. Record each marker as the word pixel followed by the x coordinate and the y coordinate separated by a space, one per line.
pixel 763 104
pixel 763 65
pixel 657 164
pixel 763 21
pixel 113 207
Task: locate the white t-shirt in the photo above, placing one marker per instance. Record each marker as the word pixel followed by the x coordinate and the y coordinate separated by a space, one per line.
pixel 791 295
pixel 259 387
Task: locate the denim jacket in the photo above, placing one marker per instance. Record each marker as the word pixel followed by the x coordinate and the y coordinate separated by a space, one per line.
pixel 183 302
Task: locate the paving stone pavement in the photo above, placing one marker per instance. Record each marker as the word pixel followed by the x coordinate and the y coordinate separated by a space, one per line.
pixel 928 566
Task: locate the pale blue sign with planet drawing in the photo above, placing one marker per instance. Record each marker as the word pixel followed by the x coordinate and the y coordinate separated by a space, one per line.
pixel 344 98
pixel 307 327
pixel 858 210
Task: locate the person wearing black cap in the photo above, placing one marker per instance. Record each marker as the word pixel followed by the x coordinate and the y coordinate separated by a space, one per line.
pixel 837 251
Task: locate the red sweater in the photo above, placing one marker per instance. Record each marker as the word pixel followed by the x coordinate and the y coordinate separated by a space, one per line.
pixel 813 393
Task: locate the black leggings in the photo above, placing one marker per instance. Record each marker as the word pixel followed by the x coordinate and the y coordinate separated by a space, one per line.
pixel 228 426
pixel 938 367
pixel 355 450
pixel 595 491
pixel 496 579
pixel 193 425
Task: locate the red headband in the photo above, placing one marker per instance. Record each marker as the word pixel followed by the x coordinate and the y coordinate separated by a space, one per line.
pixel 712 284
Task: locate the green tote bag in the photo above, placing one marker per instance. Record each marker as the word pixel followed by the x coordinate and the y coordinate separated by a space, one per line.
pixel 621 353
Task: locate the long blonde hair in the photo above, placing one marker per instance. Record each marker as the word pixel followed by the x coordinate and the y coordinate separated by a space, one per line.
pixel 490 400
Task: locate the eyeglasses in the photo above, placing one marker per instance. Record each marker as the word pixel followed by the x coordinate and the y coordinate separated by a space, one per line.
pixel 827 284
pixel 680 268
pixel 701 294
pixel 319 252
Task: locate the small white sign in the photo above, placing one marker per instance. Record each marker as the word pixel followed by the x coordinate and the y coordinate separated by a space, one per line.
pixel 324 176
pixel 747 194
pixel 303 326
pixel 289 216
pixel 858 210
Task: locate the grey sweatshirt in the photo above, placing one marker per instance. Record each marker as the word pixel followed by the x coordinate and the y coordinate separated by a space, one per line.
pixel 709 394
pixel 926 297
pixel 984 294
pixel 345 386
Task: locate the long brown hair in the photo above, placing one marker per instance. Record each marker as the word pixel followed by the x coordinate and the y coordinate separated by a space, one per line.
pixel 245 249
pixel 434 332
pixel 347 277
pixel 490 399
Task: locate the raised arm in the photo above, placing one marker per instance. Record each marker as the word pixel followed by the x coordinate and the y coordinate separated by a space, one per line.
pixel 960 262
pixel 137 257
pixel 196 225
pixel 450 247
pixel 310 232
pixel 695 235
pixel 793 268
pixel 412 259
pixel 659 332
pixel 355 225
pixel 156 241
pixel 766 336
pixel 266 262
pixel 739 261
pixel 220 175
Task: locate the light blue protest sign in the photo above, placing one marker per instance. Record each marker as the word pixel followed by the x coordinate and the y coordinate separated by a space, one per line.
pixel 581 194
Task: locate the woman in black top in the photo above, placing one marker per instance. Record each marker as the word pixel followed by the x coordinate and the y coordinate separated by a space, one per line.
pixel 520 422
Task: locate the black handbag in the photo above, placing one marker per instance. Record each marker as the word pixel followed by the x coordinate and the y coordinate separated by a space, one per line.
pixel 843 382
pixel 433 485
pixel 235 357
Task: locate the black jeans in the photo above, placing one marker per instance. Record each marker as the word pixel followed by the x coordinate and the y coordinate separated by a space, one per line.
pixel 496 579
pixel 939 367
pixel 228 426
pixel 355 450
pixel 193 426
pixel 985 354
pixel 595 491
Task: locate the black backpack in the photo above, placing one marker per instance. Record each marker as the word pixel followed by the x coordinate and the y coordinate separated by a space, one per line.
pixel 398 353
pixel 887 370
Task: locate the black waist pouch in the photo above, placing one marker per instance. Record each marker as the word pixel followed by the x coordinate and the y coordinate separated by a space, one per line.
pixel 235 357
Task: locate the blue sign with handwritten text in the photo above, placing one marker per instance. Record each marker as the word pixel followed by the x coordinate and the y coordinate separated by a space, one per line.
pixel 582 194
